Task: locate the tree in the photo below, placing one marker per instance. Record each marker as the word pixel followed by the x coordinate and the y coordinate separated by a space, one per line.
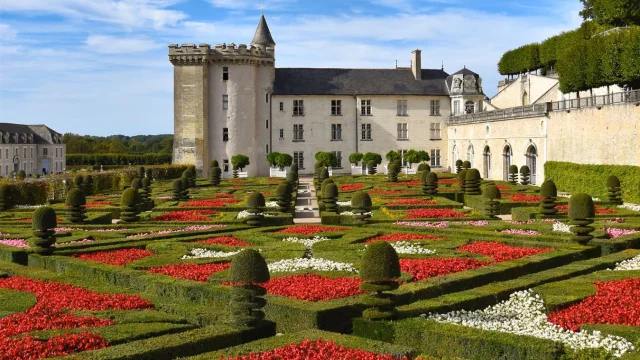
pixel 284 160
pixel 372 156
pixel 355 158
pixel 612 13
pixel 326 159
pixel 413 157
pixel 271 158
pixel 393 155
pixel 239 161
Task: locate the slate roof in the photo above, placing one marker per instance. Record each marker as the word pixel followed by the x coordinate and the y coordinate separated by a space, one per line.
pixel 263 35
pixel 316 81
pixel 36 130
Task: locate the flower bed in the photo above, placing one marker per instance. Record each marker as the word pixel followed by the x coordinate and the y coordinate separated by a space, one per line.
pixel 404 237
pixel 440 224
pixel 310 229
pixel 421 269
pixel 501 252
pixel 615 302
pixel 19 243
pixel 306 242
pixel 99 204
pixel 210 203
pixel 312 287
pixel 412 202
pixel 29 348
pixel 433 213
pixel 405 183
pixel 119 257
pixel 599 210
pixel 520 232
pixel 195 272
pixel 200 253
pixel 616 233
pixel 404 247
pixel 224 240
pixel 351 187
pixel 523 198
pixel 186 216
pixel 170 231
pixel 316 350
pixel 629 264
pixel 300 264
pixel 380 191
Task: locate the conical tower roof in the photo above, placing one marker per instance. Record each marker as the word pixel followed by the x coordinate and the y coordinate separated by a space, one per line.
pixel 263 35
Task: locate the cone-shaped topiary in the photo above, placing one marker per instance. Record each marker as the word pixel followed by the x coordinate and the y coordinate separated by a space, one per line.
pixel 458 166
pixel 130 205
pixel 87 186
pixel 472 182
pixel 185 178
pixel 136 183
pixel 192 174
pixel 215 175
pixel 176 187
pixel 324 174
pixel 294 168
pixel 513 174
pixel 549 194
pixel 141 172
pixel 43 223
pixel 76 202
pixel 255 205
pixel 525 174
pixel 330 198
pixel 581 213
pixel 392 172
pixel 184 194
pixel 5 197
pixel 462 175
pixel 379 268
pixel 78 182
pixel 248 269
pixel 361 206
pixel 283 196
pixel 492 206
pixel 423 181
pixel 614 190
pixel 292 179
pixel 431 180
pixel 466 164
pixel 145 194
pixel 372 167
pixel 150 174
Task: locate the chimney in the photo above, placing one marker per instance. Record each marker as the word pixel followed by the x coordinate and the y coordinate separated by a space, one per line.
pixel 416 63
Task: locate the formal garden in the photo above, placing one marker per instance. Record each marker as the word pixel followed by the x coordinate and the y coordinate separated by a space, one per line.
pixel 158 263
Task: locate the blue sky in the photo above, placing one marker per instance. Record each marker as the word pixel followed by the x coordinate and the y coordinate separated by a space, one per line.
pixel 100 67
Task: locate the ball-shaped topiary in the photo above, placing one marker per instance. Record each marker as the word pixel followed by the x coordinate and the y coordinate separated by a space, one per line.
pixel 176 188
pixel 255 205
pixel 248 270
pixel 549 194
pixel 324 174
pixel 361 206
pixel 88 185
pixel 43 223
pixel 458 166
pixel 372 167
pixel 283 195
pixel 379 268
pixel 466 164
pixel 432 184
pixel 513 174
pixel 330 198
pixel 214 163
pixel 130 205
pixel 5 197
pixel 215 175
pixel 472 182
pixel 76 201
pixel 424 167
pixel 325 183
pixel 581 213
pixel 462 175
pixel 392 172
pixel 525 174
pixel 614 190
pixel 492 206
pixel 136 183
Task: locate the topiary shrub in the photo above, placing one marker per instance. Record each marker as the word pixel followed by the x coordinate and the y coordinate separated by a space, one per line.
pixel 292 179
pixel 466 164
pixel 214 163
pixel 78 182
pixel 255 205
pixel 372 167
pixel 43 223
pixel 283 196
pixel 87 186
pixel 192 174
pixel 141 172
pixel 379 268
pixel 492 206
pixel 136 183
pixel 248 269
pixel 150 174
pixel 525 174
pixel 330 198
pixel 215 175
pixel 549 194
pixel 458 166
pixel 431 180
pixel 462 175
pixel 184 194
pixel 145 194
pixel 581 213
pixel 130 205
pixel 323 174
pixel 392 172
pixel 176 187
pixel 513 174
pixel 472 182
pixel 21 175
pixel 361 206
pixel 424 167
pixel 5 197
pixel 76 202
pixel 614 190
pixel 423 181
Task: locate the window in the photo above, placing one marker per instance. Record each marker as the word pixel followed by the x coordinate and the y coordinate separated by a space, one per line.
pixel 225 73
pixel 338 155
pixel 6 153
pixel 225 102
pixel 266 98
pixel 402 152
pixel 281 134
pixel 225 165
pixel 336 132
pixel 298 159
pixel 435 107
pixel 25 153
pixel 403 133
pixel 435 131
pixel 298 132
pixel 45 151
pixel 402 107
pixel 225 134
pixel 435 158
pixel 267 123
pixel 298 107
pixel 267 151
pixel 469 107
pixel 365 107
pixel 336 107
pixel 366 132
pixel 456 107
pixel 281 106
pixel 32 153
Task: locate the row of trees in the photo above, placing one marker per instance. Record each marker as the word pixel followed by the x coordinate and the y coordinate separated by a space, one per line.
pixel 328 159
pixel 118 159
pixel 118 144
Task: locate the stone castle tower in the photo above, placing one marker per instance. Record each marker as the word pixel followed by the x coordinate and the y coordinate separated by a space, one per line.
pixel 222 101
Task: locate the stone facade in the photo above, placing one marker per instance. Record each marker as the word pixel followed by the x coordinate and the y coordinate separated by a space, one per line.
pixel 36 149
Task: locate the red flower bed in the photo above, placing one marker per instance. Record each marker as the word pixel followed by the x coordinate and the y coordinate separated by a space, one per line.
pixel 380 191
pixel 599 210
pixel 195 272
pixel 224 240
pixel 310 229
pixel 433 213
pixel 312 287
pixel 28 220
pixel 115 257
pixel 404 237
pixel 210 203
pixel 522 198
pixel 503 187
pixel 351 187
pixel 412 202
pixel 421 269
pixel 501 252
pixel 405 183
pixel 448 189
pixel 615 302
pixel 447 181
pixel 274 181
pixel 98 204
pixel 316 350
pixel 193 215
pixel 28 348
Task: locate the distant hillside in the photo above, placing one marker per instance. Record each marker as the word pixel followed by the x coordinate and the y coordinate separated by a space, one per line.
pixel 118 144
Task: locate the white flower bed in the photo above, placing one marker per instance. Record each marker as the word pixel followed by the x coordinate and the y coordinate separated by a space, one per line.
pixel 200 253
pixel 524 314
pixel 405 247
pixel 630 207
pixel 351 213
pixel 244 214
pixel 292 265
pixel 629 264
pixel 307 242
pixel 272 204
pixel 28 206
pixel 561 227
pixel 343 203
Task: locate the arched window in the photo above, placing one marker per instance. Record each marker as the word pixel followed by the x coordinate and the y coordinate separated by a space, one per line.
pixel 455 155
pixel 532 162
pixel 469 107
pixel 487 162
pixel 507 153
pixel 470 154
pixel 525 99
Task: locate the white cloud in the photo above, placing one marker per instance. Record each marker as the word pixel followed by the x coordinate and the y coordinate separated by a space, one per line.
pixel 7 33
pixel 113 45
